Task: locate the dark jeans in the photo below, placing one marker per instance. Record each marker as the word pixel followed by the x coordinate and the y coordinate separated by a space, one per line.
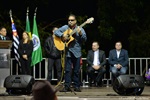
pixel 51 63
pixel 91 73
pixel 72 65
pixel 116 72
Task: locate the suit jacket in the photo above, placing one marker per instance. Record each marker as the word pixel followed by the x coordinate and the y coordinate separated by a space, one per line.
pixel 51 50
pixel 7 38
pixel 90 58
pixel 123 58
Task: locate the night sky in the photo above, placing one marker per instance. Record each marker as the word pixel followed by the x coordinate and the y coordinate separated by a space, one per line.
pixel 50 10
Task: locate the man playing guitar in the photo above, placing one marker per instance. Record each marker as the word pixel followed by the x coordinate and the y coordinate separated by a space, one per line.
pixel 73 36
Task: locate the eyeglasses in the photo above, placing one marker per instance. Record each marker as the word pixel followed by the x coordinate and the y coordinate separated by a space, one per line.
pixel 71 20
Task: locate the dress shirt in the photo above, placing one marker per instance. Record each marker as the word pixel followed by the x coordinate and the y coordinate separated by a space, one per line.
pixel 96 58
pixel 118 53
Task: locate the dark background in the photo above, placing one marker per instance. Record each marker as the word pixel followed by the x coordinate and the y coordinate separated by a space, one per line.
pixel 115 20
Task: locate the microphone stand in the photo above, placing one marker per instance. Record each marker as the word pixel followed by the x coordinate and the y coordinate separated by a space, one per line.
pixel 64 58
pixel 63 68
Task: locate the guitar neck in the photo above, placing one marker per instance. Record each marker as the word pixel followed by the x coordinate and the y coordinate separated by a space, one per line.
pixel 75 30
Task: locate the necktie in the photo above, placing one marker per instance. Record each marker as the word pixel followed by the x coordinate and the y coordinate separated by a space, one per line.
pixel 3 38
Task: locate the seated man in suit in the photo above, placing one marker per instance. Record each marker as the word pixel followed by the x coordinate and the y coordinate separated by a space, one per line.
pixel 3 33
pixel 96 60
pixel 118 60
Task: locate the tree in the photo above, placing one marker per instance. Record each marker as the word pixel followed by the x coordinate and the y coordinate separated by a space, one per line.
pixel 124 20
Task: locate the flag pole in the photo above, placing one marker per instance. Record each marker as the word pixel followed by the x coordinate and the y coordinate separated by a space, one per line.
pixel 27 11
pixel 35 11
pixel 10 13
pixel 15 41
pixel 28 23
pixel 37 51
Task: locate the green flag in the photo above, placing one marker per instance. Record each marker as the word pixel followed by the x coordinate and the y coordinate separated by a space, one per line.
pixel 37 51
pixel 28 23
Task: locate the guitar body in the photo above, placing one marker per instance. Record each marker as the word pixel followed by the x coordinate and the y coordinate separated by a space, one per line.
pixel 60 45
pixel 68 32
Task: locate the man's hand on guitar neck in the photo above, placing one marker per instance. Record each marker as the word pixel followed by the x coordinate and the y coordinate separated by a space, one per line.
pixel 79 31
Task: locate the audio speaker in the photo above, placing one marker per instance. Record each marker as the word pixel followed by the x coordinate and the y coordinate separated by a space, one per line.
pixel 19 84
pixel 129 85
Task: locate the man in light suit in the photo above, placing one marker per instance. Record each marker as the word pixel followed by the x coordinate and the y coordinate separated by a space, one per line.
pixel 118 60
pixel 96 60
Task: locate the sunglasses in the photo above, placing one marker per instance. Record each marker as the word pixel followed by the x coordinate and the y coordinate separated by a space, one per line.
pixel 71 20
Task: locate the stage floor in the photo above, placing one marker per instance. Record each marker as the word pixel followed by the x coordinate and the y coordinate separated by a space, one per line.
pixel 88 93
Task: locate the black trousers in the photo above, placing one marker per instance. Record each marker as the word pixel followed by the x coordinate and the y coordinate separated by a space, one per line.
pixel 51 63
pixel 25 66
pixel 91 73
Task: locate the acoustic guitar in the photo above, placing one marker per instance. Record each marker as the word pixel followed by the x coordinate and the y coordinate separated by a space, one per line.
pixel 60 44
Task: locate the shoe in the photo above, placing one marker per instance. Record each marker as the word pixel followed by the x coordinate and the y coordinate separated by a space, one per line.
pixel 77 89
pixel 65 89
pixel 98 84
pixel 90 82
